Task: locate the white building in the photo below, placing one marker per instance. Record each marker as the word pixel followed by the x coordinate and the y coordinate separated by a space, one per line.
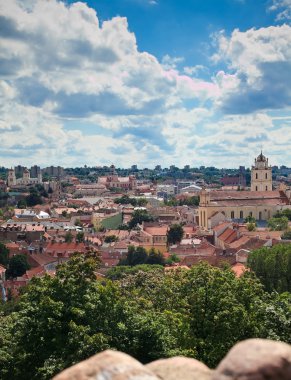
pixel 26 180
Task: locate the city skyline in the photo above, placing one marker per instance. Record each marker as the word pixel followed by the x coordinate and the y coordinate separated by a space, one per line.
pixel 145 82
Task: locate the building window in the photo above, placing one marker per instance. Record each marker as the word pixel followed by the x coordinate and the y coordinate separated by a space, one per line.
pixel 256 188
pixel 266 188
pixel 241 214
pixel 266 175
pixel 232 215
pixel 256 175
pixel 260 215
pixel 251 213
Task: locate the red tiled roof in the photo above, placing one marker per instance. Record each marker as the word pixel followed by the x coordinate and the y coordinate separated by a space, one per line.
pixel 42 258
pixel 237 198
pixel 38 271
pixel 12 245
pixel 239 243
pixel 221 226
pixel 239 269
pixel 159 231
pixel 228 236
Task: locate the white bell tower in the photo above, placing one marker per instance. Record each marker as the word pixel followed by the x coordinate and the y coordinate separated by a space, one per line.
pixel 261 176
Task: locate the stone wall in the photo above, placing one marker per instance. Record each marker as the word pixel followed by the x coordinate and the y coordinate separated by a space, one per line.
pixel 253 359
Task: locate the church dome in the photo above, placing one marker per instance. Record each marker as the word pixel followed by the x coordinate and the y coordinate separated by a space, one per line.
pixel 261 158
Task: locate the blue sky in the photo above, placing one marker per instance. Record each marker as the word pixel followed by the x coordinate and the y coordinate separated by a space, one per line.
pixel 146 82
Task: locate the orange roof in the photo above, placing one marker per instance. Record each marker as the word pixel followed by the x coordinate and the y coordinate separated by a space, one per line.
pixel 239 269
pixel 221 226
pixel 240 242
pixel 12 245
pixel 227 235
pixel 160 231
pixel 42 258
pixel 38 271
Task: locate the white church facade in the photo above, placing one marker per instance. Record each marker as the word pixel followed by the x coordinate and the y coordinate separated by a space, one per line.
pixel 26 180
pixel 261 202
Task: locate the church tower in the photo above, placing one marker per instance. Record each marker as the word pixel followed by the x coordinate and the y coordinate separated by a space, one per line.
pixel 203 208
pixel 11 181
pixel 26 177
pixel 261 175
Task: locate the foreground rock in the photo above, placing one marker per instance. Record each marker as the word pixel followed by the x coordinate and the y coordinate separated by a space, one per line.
pixel 253 359
pixel 108 365
pixel 256 359
pixel 180 368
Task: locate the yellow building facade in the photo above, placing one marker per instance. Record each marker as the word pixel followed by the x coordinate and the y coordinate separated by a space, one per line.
pixel 261 202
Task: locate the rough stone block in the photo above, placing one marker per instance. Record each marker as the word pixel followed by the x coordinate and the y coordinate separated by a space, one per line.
pixel 180 368
pixel 256 359
pixel 108 365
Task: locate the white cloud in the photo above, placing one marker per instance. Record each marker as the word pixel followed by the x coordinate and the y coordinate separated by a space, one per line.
pixel 60 66
pixel 260 61
pixel 283 7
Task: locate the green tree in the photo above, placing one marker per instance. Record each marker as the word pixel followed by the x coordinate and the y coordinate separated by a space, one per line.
pixel 4 254
pixel 138 217
pixel 155 257
pixel 111 239
pixel 17 266
pixel 286 235
pixel 218 304
pixel 250 219
pixel 68 237
pixel 22 204
pixel 278 224
pixel 286 213
pixel 78 223
pixel 34 198
pixel 175 234
pixel 80 237
pixel 173 258
pixel 251 226
pixel 148 314
pixel 272 266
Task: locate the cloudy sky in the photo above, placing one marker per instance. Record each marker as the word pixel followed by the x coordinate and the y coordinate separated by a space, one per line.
pixel 146 82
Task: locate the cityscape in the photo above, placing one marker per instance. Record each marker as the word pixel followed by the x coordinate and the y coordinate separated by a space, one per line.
pixel 145 190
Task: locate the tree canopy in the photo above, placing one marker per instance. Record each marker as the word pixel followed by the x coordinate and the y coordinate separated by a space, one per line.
pixel 187 201
pixel 17 266
pixel 4 254
pixel 175 234
pixel 140 216
pixel 139 255
pixel 199 313
pixel 125 200
pixel 278 224
pixel 273 267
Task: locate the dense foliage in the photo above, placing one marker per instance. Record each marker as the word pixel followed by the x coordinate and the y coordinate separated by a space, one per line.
pixel 35 196
pixel 200 313
pixel 140 216
pixel 175 234
pixel 119 272
pixel 286 235
pixel 187 201
pixel 286 213
pixel 278 224
pixel 17 266
pixel 126 200
pixel 4 254
pixel 273 267
pixel 111 239
pixel 139 255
